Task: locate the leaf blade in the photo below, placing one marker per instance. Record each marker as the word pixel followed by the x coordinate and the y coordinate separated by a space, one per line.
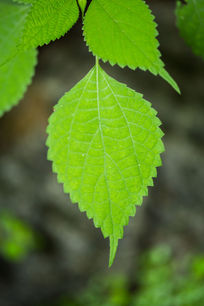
pixel 124 33
pixel 98 144
pixel 15 76
pixel 48 21
pixel 12 19
pixel 190 21
pixel 119 18
pixel 16 67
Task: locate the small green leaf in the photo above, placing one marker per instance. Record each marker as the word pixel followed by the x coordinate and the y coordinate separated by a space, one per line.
pixel 124 33
pixel 105 144
pixel 16 68
pixel 190 21
pixel 49 20
pixel 17 239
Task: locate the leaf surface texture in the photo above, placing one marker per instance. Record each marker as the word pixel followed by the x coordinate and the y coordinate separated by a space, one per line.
pixel 12 20
pixel 24 1
pixel 124 33
pixel 105 144
pixel 49 20
pixel 16 67
pixel 15 76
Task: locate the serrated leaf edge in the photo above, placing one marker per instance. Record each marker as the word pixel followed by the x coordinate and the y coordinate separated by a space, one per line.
pixel 143 192
pixel 22 45
pixel 24 89
pixel 162 72
pixel 105 60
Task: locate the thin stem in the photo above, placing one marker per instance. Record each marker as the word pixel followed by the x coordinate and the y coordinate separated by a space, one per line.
pixel 97 61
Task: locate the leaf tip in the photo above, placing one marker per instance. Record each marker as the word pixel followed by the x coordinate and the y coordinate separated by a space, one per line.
pixel 113 249
pixel 166 76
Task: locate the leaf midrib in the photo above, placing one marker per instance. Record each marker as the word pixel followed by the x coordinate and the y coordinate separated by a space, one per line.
pixel 103 144
pixel 147 58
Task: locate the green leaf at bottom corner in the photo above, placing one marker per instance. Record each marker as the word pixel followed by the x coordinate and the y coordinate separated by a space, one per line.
pixel 15 76
pixel 105 144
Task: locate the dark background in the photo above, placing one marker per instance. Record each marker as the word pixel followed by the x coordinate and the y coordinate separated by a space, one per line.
pixel 68 250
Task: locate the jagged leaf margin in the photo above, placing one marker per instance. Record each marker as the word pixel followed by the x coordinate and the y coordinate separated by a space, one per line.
pixel 48 21
pixel 124 33
pixel 16 67
pixel 15 76
pixel 105 144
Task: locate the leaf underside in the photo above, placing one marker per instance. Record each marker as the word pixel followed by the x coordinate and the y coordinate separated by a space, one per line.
pixel 124 33
pixel 16 67
pixel 190 21
pixel 48 20
pixel 105 144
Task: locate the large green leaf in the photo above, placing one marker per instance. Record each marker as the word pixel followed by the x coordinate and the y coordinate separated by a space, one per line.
pixel 190 20
pixel 16 67
pixel 124 33
pixel 105 144
pixel 49 20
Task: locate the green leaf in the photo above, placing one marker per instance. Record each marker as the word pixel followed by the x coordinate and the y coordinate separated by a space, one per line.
pixel 16 68
pixel 124 33
pixel 17 238
pixel 15 76
pixel 190 21
pixel 49 20
pixel 105 144
pixel 82 5
pixel 12 19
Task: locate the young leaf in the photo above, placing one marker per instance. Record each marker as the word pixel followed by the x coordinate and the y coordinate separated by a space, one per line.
pixel 124 33
pixel 190 21
pixel 16 68
pixel 105 144
pixel 82 5
pixel 48 20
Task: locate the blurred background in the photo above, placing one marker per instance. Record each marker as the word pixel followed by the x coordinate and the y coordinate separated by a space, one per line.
pixel 50 253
